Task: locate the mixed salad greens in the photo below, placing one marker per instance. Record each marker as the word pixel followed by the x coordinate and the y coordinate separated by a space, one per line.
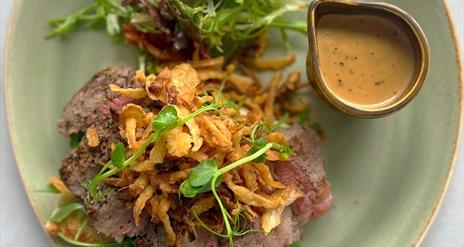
pixel 222 26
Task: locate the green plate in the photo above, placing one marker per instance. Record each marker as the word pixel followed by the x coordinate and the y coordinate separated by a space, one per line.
pixel 388 175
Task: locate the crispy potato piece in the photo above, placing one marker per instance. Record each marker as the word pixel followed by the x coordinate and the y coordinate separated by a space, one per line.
pixel 92 137
pixel 248 197
pixel 272 217
pixel 155 86
pixel 273 63
pixel 266 176
pixel 185 80
pixel 178 143
pixel 140 203
pixel 135 93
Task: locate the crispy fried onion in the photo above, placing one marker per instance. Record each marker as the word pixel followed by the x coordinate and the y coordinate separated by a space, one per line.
pixel 140 203
pixel 202 205
pixel 272 217
pixel 265 175
pixel 173 86
pixel 92 137
pixel 178 142
pixel 273 63
pixel 135 93
pixel 215 132
pixel 193 127
pixel 62 188
pixel 246 196
pixel 132 118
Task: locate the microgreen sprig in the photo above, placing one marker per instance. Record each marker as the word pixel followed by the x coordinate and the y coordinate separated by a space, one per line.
pixel 165 121
pixel 207 176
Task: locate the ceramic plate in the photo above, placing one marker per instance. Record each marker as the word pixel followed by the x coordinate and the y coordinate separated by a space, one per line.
pixel 388 175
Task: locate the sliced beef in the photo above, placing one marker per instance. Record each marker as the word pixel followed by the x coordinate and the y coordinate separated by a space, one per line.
pixel 94 105
pixel 152 236
pixel 94 102
pixel 306 170
pixel 286 233
pixel 203 239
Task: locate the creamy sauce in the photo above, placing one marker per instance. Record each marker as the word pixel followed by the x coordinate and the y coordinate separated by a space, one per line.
pixel 365 59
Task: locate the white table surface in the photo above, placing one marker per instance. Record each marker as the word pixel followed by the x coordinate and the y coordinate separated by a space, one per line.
pixel 20 228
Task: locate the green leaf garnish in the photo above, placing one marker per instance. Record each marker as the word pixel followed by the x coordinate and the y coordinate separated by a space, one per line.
pixel 49 189
pixel 75 139
pixel 100 13
pixel 65 210
pixel 257 145
pixel 237 22
pixel 166 119
pixel 209 171
pixel 118 156
pixel 200 177
pixel 203 173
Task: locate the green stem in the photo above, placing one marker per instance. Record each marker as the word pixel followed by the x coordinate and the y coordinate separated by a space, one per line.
pixel 231 233
pixel 81 229
pixel 243 161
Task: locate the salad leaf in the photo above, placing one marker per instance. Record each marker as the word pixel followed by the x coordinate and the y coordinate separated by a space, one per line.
pixel 255 146
pixel 49 189
pixel 118 156
pixel 238 21
pixel 203 173
pixel 65 210
pixel 166 119
pixel 75 138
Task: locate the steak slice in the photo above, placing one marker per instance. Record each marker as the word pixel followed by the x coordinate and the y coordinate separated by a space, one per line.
pixel 94 105
pixel 285 234
pixel 305 170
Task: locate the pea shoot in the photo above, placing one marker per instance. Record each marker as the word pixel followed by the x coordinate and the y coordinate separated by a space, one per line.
pixel 165 121
pixel 207 175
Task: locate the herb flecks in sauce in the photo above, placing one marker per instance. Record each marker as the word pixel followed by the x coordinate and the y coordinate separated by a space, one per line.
pixel 365 59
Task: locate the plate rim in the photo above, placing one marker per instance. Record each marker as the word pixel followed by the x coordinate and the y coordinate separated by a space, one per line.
pixel 430 218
